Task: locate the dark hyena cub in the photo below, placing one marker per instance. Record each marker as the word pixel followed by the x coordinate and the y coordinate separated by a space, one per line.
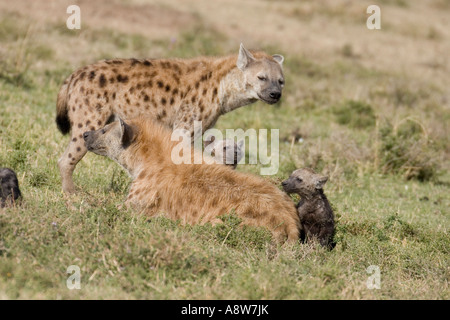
pixel 313 209
pixel 9 187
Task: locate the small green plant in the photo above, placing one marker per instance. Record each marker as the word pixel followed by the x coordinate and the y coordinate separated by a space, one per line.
pixel 355 114
pixel 406 150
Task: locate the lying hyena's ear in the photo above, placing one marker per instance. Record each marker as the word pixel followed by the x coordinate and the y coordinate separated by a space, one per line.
pixel 209 139
pixel 244 58
pixel 278 58
pixel 320 181
pixel 128 133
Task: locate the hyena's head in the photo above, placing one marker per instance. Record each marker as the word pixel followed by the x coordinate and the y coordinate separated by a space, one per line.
pixel 225 151
pixel 304 182
pixel 264 79
pixel 111 140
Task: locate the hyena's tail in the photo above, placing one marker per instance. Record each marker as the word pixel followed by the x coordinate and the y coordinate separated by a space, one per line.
pixel 62 110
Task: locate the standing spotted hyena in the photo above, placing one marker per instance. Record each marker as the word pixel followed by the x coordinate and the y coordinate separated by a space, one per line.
pixel 192 193
pixel 175 92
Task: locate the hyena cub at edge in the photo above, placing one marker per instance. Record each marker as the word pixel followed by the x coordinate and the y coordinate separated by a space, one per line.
pixel 9 187
pixel 314 210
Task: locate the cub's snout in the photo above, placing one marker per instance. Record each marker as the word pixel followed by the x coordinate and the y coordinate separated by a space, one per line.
pixel 88 137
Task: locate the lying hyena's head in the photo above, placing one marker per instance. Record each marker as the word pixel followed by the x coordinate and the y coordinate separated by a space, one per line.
pixel 264 78
pixel 225 151
pixel 111 140
pixel 304 182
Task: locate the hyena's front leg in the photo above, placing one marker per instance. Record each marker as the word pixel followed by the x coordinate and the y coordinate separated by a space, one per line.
pixel 75 151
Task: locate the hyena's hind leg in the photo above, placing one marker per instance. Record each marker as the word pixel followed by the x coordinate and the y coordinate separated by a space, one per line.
pixel 75 151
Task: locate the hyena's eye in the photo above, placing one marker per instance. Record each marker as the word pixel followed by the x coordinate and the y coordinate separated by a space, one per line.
pixel 262 78
pixel 281 82
pixel 299 179
pixel 103 131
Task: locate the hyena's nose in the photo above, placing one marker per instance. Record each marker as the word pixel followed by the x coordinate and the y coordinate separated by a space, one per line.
pixel 275 95
pixel 85 135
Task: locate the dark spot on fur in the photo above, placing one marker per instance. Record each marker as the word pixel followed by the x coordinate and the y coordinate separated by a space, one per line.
pixel 74 139
pixel 92 75
pixel 131 90
pixel 102 81
pixel 193 99
pixel 150 83
pixel 167 88
pixel 197 85
pixel 175 91
pixel 78 149
pixel 114 95
pixel 70 155
pixel 134 62
pixel 82 75
pixel 147 63
pixel 80 125
pixel 163 101
pixel 160 84
pixel 172 100
pixel 146 98
pixel 88 122
pixel 214 93
pixel 121 78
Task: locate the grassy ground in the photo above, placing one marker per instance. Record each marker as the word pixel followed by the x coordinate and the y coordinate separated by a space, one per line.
pixel 368 108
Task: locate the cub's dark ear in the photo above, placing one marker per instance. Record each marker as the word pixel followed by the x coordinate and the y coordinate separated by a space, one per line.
pixel 320 181
pixel 128 133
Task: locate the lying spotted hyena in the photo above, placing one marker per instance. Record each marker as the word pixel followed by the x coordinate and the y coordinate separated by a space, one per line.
pixel 175 92
pixel 192 193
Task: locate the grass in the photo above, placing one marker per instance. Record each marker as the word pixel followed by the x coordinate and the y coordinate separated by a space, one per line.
pixel 388 169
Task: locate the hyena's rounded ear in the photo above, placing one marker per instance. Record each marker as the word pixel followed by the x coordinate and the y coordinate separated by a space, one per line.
pixel 128 133
pixel 278 58
pixel 244 58
pixel 320 181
